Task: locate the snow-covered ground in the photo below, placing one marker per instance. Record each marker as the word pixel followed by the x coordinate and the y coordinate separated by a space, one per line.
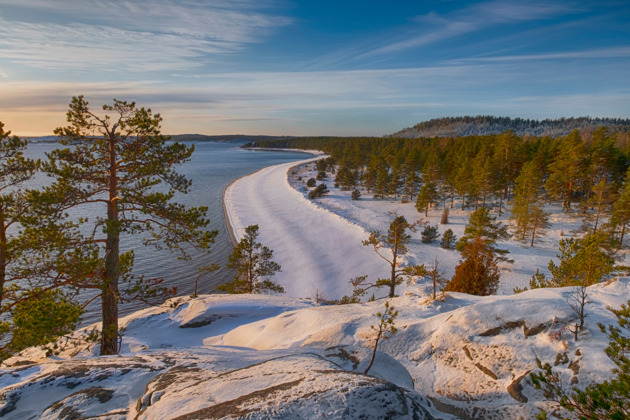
pixel 375 214
pixel 319 251
pixel 288 356
pixel 261 357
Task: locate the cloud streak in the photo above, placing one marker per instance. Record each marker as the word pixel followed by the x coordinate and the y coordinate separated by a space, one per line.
pixel 435 28
pixel 152 35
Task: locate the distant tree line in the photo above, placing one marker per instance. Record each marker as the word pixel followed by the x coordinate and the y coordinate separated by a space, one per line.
pixel 485 125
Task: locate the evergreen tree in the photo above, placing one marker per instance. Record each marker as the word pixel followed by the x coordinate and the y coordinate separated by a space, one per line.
pixel 484 226
pixel 356 195
pixel 429 234
pixel 477 273
pixel 527 209
pixel 394 244
pixel 346 178
pixel 411 185
pixel 319 191
pixel 506 162
pixel 394 183
pixel 33 310
pixel 370 176
pixel 582 262
pixel 448 239
pixel 462 180
pixel 252 262
pixel 382 182
pixel 567 170
pixel 385 329
pixel 121 162
pixel 601 200
pixel 482 176
pixel 15 169
pixel 38 318
pixel 426 198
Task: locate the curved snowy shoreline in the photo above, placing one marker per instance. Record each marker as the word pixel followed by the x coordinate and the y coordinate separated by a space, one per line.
pixel 318 250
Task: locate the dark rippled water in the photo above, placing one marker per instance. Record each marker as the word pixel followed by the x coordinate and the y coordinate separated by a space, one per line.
pixel 212 167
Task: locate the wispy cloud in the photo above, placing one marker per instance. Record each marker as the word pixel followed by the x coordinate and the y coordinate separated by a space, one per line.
pixel 125 35
pixel 432 27
pixel 612 52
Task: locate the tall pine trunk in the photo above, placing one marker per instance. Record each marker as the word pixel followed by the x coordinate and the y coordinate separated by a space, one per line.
pixel 109 288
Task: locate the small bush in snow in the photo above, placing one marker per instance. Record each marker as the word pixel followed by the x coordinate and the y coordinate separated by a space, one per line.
pixel 429 234
pixel 448 239
pixel 319 191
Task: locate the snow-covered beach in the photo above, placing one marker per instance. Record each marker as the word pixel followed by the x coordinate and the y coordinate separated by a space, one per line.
pixel 318 250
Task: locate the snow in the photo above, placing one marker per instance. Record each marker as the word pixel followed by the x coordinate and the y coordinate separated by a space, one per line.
pixel 274 356
pixel 318 250
pixel 291 356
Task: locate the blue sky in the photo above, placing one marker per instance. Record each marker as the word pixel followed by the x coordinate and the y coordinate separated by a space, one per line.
pixel 315 67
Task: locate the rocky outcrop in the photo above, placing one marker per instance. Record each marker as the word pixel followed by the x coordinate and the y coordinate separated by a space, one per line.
pixel 207 384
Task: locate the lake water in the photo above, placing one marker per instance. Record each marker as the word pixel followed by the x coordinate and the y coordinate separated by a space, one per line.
pixel 212 167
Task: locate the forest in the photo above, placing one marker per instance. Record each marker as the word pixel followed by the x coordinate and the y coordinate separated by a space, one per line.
pixel 486 124
pixel 584 172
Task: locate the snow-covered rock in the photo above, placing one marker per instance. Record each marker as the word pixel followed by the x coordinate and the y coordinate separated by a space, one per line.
pixel 274 357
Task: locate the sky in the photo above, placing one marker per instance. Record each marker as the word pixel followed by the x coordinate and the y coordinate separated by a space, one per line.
pixel 313 67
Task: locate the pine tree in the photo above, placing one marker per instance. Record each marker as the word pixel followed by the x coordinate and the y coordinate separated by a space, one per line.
pixel 121 162
pixel 601 200
pixel 394 244
pixel 482 176
pixel 15 169
pixel 429 234
pixel 33 309
pixel 484 226
pixel 319 191
pixel 346 178
pixel 567 170
pixel 395 183
pixel 448 239
pixel 582 262
pixel 426 198
pixel 385 329
pixel 527 209
pixel 506 161
pixel 252 262
pixel 411 185
pixel 382 182
pixel 477 273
